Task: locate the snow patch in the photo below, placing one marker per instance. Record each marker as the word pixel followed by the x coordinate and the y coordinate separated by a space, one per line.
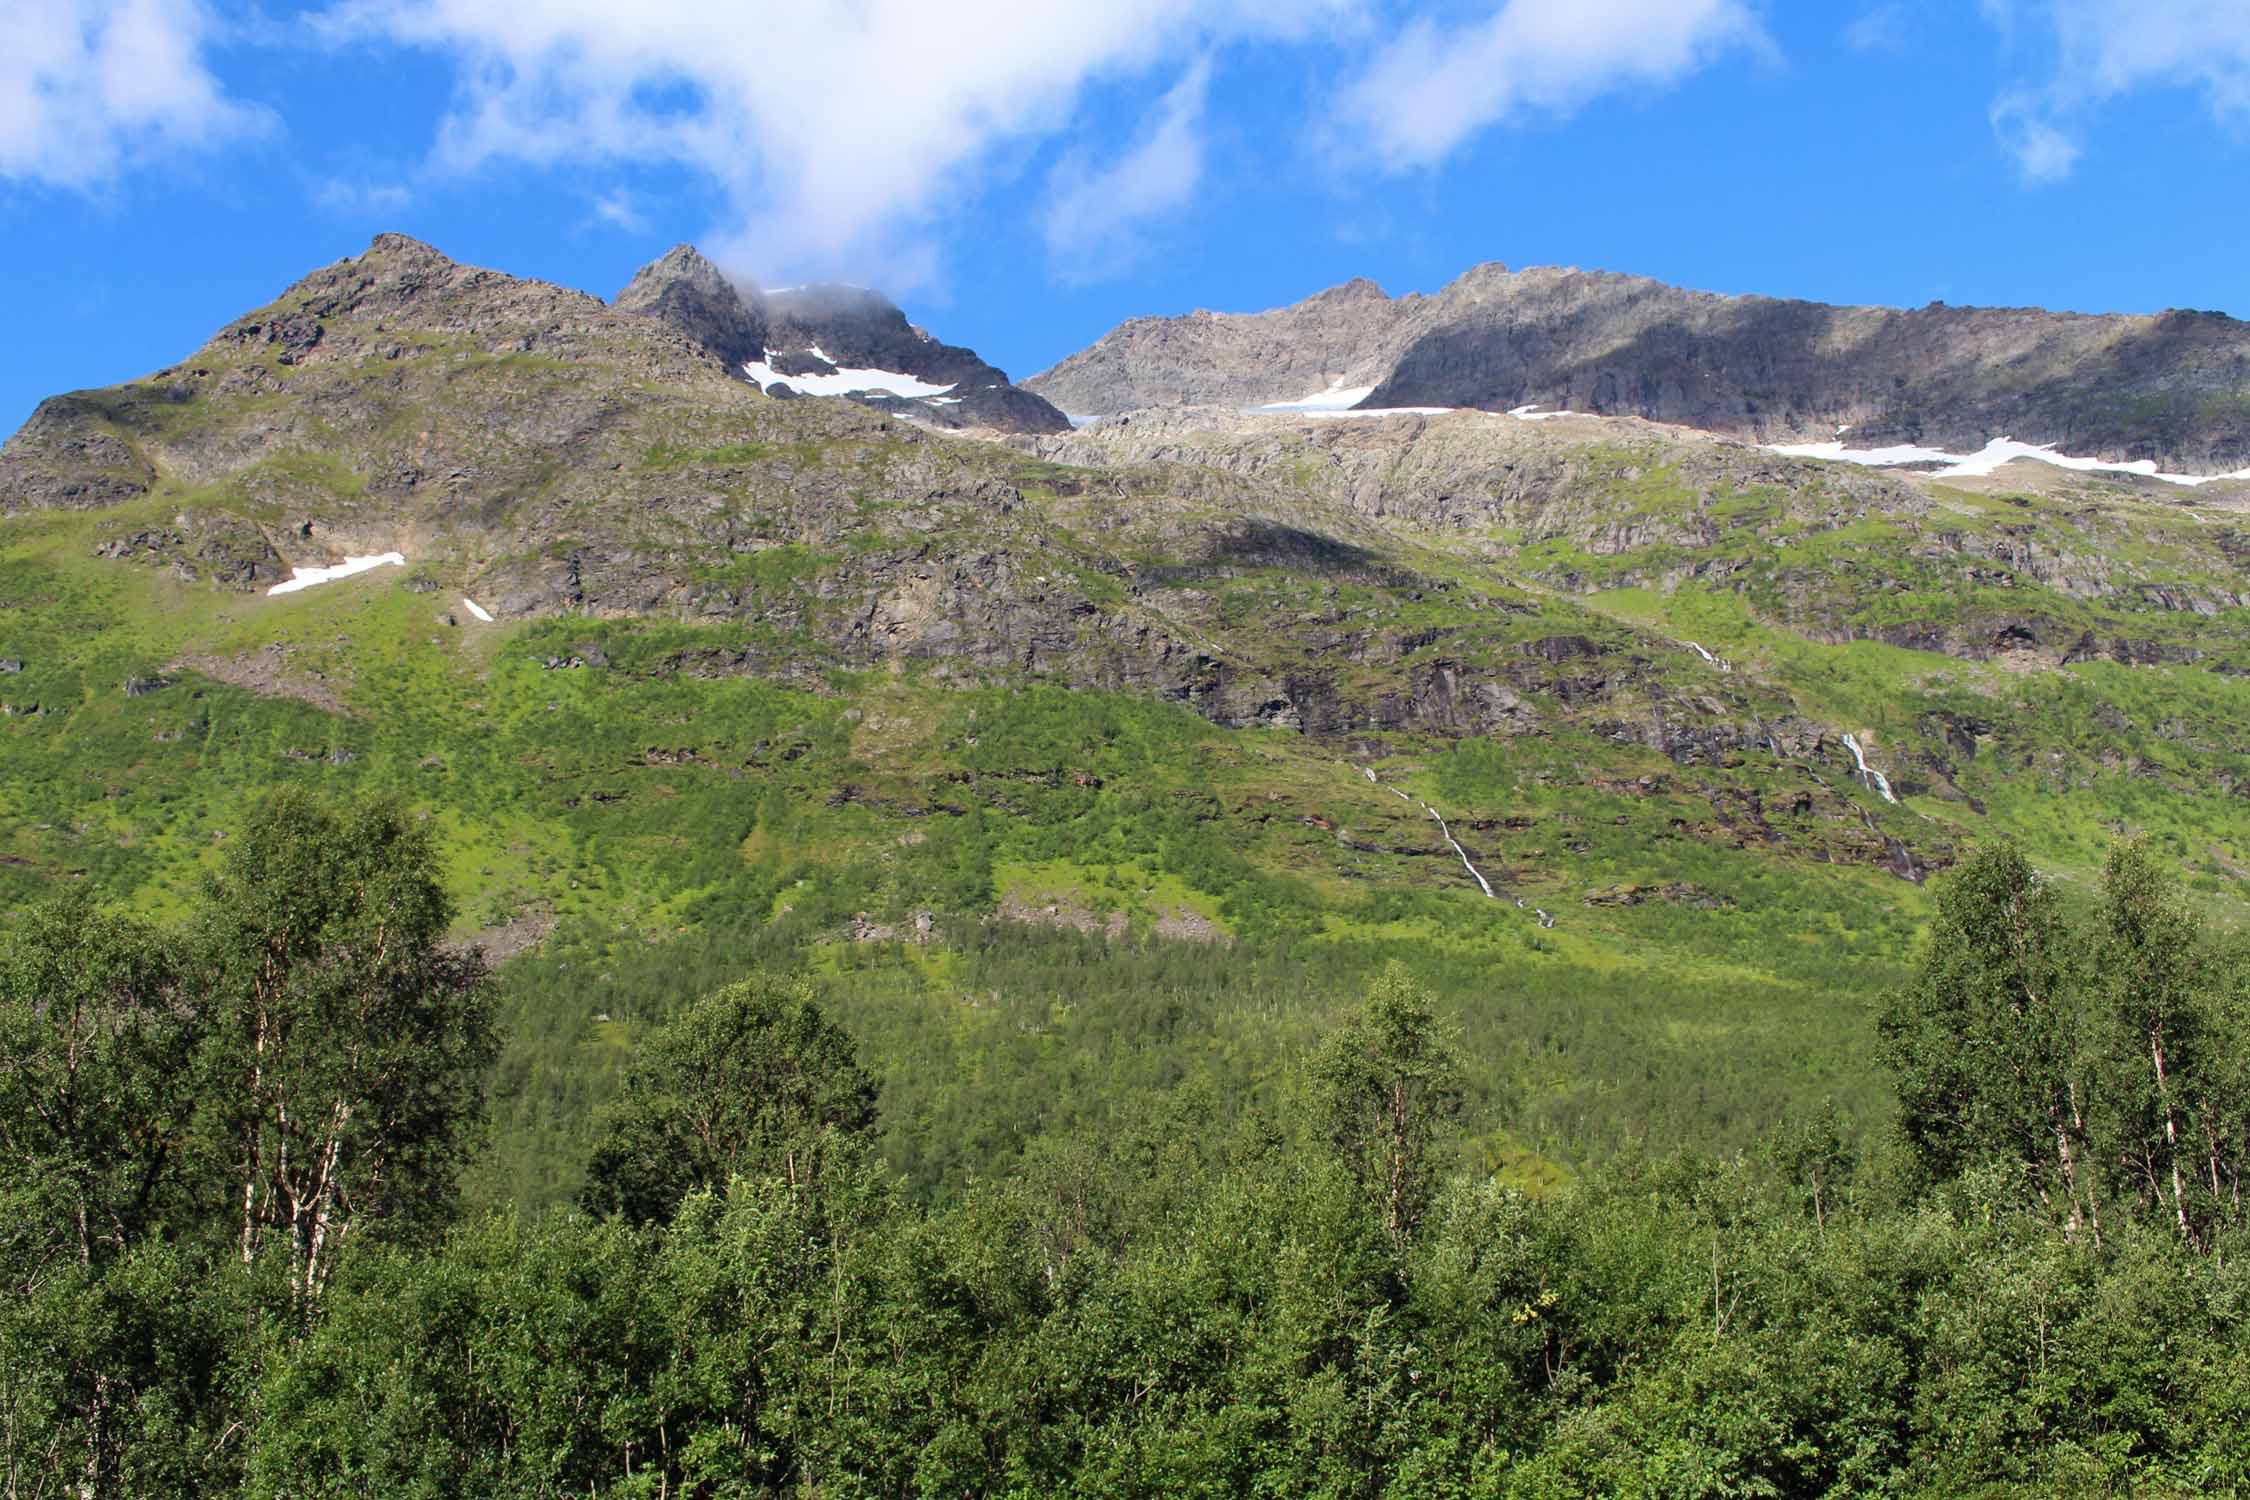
pixel 1989 460
pixel 1534 414
pixel 1338 397
pixel 1363 411
pixel 1078 421
pixel 476 609
pixel 305 578
pixel 844 382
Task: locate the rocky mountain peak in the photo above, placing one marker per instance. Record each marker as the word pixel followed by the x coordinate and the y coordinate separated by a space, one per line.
pixel 856 326
pixel 830 339
pixel 685 290
pixel 397 248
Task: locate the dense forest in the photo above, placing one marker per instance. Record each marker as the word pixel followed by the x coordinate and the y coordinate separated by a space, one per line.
pixel 254 1242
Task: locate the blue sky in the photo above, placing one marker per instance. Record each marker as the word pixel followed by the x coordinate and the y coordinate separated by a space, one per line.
pixel 1022 176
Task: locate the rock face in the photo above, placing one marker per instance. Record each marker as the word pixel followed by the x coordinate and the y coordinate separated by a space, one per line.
pixel 2173 387
pixel 812 333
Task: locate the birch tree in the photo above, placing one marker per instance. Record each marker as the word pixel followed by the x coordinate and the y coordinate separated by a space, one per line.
pixel 1389 1084
pixel 349 1043
pixel 1986 1044
pixel 2166 1095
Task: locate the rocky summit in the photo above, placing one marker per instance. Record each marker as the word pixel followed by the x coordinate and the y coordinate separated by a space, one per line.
pixel 832 340
pixel 2168 388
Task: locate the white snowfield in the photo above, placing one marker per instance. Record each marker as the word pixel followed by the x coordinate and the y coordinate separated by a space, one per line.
pixel 1318 407
pixel 305 578
pixel 1339 400
pixel 1338 397
pixel 844 382
pixel 1994 454
pixel 476 609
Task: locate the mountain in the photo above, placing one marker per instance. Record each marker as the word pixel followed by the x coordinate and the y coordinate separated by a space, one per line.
pixel 832 340
pixel 2173 388
pixel 1578 711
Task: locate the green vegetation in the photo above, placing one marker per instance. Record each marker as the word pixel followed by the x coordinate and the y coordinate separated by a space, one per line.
pixel 1311 1295
pixel 745 1084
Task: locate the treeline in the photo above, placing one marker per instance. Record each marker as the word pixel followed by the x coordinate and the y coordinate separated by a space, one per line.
pixel 235 1262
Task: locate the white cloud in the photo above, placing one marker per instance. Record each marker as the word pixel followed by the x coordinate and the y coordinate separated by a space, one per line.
pixel 838 134
pixel 2102 49
pixel 839 137
pixel 1434 86
pixel 1092 211
pixel 89 87
pixel 2109 48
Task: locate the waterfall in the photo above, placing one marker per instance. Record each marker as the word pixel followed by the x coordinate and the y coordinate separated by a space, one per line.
pixel 1868 773
pixel 1446 833
pixel 1724 666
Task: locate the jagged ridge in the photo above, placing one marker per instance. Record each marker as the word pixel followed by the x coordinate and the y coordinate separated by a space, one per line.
pixel 2173 387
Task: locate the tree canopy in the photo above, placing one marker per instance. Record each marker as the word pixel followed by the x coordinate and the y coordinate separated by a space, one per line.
pixel 750 1081
pixel 237 1264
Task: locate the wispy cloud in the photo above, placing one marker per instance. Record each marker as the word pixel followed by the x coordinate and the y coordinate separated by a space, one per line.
pixel 617 209
pixel 1095 212
pixel 2040 148
pixel 2095 51
pixel 1434 86
pixel 352 199
pixel 89 88
pixel 1883 29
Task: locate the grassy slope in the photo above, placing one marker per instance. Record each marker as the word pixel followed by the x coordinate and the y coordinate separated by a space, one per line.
pixel 675 829
pixel 660 822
